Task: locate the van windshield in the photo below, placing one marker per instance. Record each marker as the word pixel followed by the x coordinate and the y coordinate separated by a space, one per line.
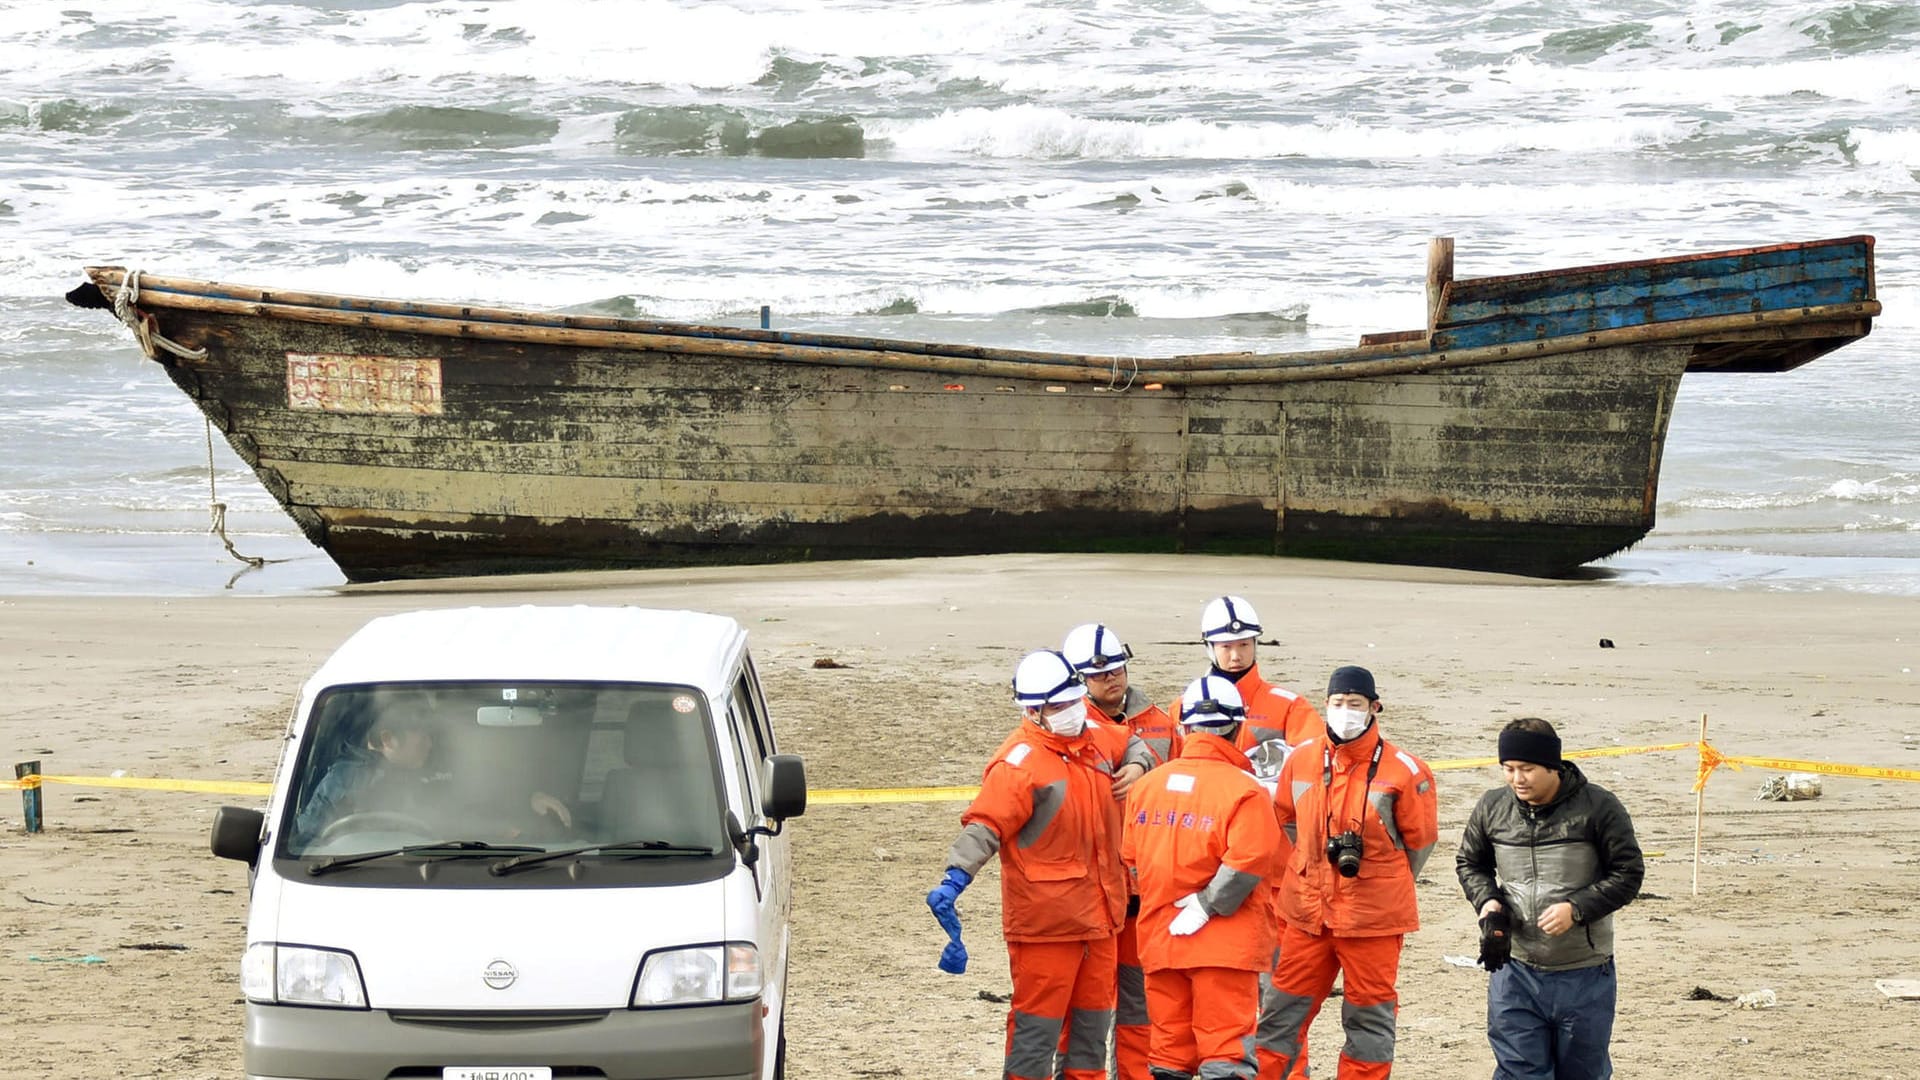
pixel 524 767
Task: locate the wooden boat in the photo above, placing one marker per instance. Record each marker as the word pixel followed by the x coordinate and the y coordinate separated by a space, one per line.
pixel 1520 430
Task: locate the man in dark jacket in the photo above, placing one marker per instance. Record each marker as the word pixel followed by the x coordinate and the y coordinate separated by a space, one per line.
pixel 1546 861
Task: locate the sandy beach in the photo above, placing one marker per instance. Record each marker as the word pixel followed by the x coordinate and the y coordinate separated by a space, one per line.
pixel 1811 900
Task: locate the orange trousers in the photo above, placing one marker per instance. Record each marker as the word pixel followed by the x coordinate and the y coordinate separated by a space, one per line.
pixel 1204 1017
pixel 1369 968
pixel 1131 1028
pixel 1267 1036
pixel 1062 997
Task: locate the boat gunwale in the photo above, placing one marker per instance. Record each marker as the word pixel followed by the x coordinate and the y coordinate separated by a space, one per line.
pixel 1362 361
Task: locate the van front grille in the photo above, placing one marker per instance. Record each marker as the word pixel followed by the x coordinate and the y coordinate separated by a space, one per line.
pixel 559 1073
pixel 498 1021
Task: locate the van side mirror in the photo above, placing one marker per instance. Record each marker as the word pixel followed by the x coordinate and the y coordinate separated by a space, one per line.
pixel 236 833
pixel 784 794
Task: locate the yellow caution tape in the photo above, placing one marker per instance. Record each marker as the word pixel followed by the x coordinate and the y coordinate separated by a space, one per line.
pixel 1711 759
pixel 858 797
pixel 1829 768
pixel 142 783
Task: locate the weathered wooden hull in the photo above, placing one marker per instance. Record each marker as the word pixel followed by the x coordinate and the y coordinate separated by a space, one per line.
pixel 409 441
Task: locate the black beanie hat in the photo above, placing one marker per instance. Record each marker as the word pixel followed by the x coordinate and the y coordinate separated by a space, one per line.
pixel 1535 747
pixel 1352 680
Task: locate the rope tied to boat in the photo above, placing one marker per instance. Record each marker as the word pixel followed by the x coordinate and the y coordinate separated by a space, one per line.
pixel 1115 376
pixel 145 327
pixel 218 510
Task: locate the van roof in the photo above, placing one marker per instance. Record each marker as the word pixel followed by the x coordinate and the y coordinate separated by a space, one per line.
pixel 622 644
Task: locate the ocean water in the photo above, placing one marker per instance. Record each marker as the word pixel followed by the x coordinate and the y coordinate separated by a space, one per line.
pixel 1130 176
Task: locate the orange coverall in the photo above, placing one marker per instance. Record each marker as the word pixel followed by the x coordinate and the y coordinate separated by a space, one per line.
pixel 1201 824
pixel 1274 712
pixel 1351 926
pixel 1161 736
pixel 1046 807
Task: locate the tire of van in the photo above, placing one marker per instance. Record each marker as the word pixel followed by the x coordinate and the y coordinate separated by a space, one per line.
pixel 780 1050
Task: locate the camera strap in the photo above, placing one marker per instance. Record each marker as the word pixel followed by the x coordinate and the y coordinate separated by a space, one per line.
pixel 1326 785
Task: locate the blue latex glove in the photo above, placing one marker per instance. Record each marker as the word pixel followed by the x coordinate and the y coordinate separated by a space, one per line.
pixel 953 958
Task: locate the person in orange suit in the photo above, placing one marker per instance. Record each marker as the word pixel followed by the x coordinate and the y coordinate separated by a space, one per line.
pixel 1046 807
pixel 1100 656
pixel 1230 629
pixel 1201 839
pixel 1277 721
pixel 1363 817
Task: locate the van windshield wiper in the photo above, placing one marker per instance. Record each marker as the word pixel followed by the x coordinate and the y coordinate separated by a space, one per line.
pixel 451 849
pixel 634 846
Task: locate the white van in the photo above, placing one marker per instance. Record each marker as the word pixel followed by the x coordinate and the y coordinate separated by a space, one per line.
pixel 522 844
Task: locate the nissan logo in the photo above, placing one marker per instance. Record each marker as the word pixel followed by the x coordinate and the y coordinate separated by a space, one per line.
pixel 499 974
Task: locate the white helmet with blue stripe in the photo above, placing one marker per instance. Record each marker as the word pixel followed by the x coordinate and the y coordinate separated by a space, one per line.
pixel 1094 648
pixel 1045 678
pixel 1228 618
pixel 1211 702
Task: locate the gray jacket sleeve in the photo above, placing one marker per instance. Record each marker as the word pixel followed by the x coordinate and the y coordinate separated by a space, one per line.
pixel 1137 753
pixel 1228 890
pixel 972 848
pixel 1473 863
pixel 1622 868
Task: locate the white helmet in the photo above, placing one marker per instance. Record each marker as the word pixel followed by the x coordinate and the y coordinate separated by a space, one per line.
pixel 1094 648
pixel 1045 678
pixel 1211 701
pixel 1228 618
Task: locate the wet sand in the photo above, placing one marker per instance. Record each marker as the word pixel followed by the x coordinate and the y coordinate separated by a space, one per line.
pixel 1812 900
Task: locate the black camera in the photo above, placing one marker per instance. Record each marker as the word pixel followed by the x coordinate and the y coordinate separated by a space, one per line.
pixel 1343 852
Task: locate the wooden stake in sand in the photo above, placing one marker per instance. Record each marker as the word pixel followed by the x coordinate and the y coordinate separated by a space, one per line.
pixel 29 793
pixel 1699 806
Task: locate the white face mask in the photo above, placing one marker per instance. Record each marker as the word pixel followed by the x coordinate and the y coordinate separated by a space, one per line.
pixel 1068 721
pixel 1347 723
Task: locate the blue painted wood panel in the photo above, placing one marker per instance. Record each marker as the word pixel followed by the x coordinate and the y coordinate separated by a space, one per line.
pixel 1527 307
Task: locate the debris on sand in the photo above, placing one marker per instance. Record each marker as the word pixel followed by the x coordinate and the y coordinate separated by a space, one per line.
pixel 1791 787
pixel 1899 989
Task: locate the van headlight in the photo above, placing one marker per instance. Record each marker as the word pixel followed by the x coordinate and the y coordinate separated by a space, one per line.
pixel 275 974
pixel 702 975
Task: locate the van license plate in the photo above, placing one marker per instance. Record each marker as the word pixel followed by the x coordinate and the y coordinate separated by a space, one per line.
pixel 496 1072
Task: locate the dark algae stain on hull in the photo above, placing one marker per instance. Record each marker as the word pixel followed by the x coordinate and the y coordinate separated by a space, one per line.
pixel 1520 431
pixel 513 547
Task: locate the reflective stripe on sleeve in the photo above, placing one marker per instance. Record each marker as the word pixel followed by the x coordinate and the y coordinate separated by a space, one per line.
pixel 1048 799
pixel 972 848
pixel 1383 804
pixel 1418 859
pixel 1228 890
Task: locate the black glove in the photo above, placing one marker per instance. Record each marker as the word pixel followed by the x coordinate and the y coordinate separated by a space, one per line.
pixel 1496 945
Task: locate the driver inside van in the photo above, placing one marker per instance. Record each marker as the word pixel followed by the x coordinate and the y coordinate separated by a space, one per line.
pixel 391 778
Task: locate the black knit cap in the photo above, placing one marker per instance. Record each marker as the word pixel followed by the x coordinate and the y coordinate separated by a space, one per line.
pixel 1352 680
pixel 1534 747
